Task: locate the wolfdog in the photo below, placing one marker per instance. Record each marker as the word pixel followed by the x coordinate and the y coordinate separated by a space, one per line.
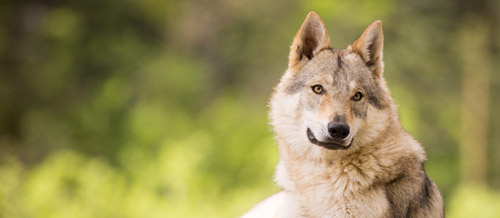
pixel 343 151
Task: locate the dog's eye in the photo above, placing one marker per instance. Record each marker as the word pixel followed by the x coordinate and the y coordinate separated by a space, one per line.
pixel 318 89
pixel 357 96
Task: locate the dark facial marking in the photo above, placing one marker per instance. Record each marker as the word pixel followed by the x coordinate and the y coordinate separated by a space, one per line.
pixel 373 93
pixel 360 110
pixel 373 99
pixel 339 119
pixel 296 84
pixel 339 62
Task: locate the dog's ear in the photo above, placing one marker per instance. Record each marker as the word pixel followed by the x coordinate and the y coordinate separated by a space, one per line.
pixel 369 46
pixel 311 38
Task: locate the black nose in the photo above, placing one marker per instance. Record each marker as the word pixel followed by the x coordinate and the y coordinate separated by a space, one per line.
pixel 338 130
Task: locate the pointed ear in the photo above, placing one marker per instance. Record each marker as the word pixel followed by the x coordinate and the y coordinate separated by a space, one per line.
pixel 369 47
pixel 311 38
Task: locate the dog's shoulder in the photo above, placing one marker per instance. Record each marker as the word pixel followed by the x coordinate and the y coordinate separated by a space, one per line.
pixel 414 194
pixel 409 190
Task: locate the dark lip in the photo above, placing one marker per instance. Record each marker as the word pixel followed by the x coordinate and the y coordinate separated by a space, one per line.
pixel 329 144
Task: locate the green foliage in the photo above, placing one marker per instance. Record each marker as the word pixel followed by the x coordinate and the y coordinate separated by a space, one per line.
pixel 216 168
pixel 474 201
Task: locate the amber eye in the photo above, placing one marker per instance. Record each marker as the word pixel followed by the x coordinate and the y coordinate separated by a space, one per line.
pixel 357 96
pixel 318 89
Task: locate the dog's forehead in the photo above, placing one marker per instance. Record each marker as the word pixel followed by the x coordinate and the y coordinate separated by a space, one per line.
pixel 335 66
pixel 324 62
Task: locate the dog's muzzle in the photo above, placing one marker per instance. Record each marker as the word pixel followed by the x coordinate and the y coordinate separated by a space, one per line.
pixel 330 144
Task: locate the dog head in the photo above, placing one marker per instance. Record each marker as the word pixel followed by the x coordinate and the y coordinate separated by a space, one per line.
pixel 331 100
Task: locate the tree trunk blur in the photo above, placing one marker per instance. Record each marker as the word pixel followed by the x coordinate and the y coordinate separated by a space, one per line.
pixel 476 68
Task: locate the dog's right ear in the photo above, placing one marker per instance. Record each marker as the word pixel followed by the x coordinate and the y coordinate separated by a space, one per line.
pixel 311 38
pixel 369 46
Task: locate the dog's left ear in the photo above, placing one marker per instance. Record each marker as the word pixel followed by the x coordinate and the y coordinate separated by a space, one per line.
pixel 369 47
pixel 311 39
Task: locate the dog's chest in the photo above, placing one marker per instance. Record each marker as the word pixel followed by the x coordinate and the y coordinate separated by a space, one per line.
pixel 369 203
pixel 326 191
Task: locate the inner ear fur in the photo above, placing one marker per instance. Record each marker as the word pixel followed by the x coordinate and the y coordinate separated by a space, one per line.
pixel 369 46
pixel 311 38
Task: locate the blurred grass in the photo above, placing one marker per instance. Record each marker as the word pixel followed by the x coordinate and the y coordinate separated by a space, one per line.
pixel 158 108
pixel 185 177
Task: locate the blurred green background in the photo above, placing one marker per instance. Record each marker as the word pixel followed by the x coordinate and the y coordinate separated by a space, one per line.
pixel 150 108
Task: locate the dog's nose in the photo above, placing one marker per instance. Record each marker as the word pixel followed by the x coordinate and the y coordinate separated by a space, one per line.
pixel 338 130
